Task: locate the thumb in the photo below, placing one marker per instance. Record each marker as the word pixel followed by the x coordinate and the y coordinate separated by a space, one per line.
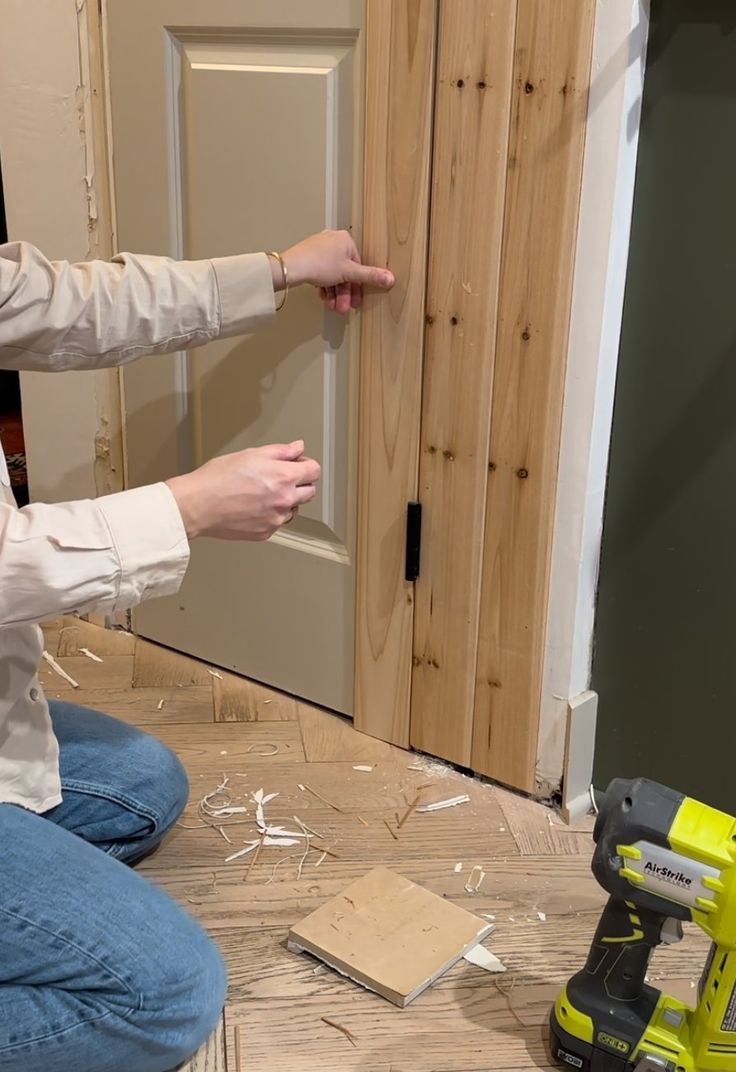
pixel 367 276
pixel 285 452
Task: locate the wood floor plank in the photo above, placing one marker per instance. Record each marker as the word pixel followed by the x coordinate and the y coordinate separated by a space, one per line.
pixel 444 1031
pixel 518 887
pixel 239 700
pixel 329 738
pixel 140 706
pixel 538 831
pixel 261 967
pixel 81 634
pixel 211 1058
pixel 115 672
pixel 447 835
pixel 207 750
pixel 51 632
pixel 158 667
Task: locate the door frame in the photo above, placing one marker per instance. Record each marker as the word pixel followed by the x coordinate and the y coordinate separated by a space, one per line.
pixel 74 218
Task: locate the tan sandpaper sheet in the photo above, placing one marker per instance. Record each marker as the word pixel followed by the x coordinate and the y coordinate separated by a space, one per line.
pixel 389 934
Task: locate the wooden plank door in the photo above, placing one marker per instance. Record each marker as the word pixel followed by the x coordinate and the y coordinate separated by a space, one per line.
pixel 237 126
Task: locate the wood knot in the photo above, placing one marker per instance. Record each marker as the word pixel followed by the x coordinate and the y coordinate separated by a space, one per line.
pixel 429 319
pixel 481 84
pixel 448 455
pixel 431 449
pixel 454 321
pixel 460 83
pixel 528 88
pixel 522 473
pixel 491 467
pixel 526 335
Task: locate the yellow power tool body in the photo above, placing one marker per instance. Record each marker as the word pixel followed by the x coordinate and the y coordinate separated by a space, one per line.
pixel 664 859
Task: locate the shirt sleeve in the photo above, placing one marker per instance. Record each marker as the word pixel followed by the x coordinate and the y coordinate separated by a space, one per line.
pixel 104 555
pixel 56 316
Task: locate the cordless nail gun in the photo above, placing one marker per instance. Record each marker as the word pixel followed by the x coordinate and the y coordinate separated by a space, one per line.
pixel 663 858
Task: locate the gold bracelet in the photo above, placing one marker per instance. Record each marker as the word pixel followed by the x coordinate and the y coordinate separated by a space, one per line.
pixel 284 277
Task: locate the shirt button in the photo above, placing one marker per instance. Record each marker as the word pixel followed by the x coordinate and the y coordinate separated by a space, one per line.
pixel 35 694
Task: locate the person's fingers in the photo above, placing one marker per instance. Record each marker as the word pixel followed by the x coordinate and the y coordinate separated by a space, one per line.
pixel 307 472
pixel 323 293
pixel 367 276
pixel 343 298
pixel 285 452
pixel 304 494
pixel 356 295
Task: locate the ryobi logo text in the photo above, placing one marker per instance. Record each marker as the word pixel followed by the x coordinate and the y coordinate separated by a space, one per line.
pixel 666 874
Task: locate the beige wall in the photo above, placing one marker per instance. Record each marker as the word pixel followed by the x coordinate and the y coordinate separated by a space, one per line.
pixel 47 166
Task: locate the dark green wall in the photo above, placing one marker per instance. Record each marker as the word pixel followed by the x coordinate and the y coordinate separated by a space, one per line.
pixel 665 656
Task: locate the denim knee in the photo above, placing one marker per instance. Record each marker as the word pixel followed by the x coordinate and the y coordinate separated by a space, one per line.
pixel 182 1001
pixel 164 785
pixel 173 785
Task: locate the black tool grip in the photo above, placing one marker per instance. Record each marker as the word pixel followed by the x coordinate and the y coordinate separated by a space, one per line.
pixel 622 948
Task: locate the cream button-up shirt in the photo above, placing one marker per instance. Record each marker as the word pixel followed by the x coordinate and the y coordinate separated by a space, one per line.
pixel 110 553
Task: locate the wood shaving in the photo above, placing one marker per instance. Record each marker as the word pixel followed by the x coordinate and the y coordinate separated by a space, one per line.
pixel 542 916
pixel 483 958
pixel 324 800
pixel 322 857
pixel 60 670
pixel 409 811
pixel 299 822
pixel 505 991
pixel 307 848
pixel 224 835
pixel 274 749
pixel 391 830
pixel 440 805
pixel 343 1030
pixel 91 655
pixel 254 858
pixel 160 705
pixel 238 1051
pixel 475 879
pixel 420 769
pixel 215 674
pixel 458 868
pixel 361 820
pixel 364 768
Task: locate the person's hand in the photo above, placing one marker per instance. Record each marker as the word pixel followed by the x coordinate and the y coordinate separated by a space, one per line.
pixel 331 262
pixel 247 495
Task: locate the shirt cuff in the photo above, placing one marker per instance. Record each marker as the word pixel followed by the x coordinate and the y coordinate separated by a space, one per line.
pixel 245 287
pixel 150 540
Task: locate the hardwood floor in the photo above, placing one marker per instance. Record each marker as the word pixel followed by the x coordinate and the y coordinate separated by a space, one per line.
pixel 223 726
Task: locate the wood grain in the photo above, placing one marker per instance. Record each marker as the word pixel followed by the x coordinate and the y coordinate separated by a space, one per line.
pixel 328 738
pixel 514 886
pixel 469 178
pixel 551 78
pixel 158 667
pixel 140 706
pixel 78 634
pixel 239 700
pixel 115 672
pixel 400 45
pixel 211 1057
pixel 538 832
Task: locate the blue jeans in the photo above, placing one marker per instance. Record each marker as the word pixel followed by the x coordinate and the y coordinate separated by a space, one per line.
pixel 99 970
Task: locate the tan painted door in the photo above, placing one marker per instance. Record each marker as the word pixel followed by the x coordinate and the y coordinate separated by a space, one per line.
pixel 236 127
